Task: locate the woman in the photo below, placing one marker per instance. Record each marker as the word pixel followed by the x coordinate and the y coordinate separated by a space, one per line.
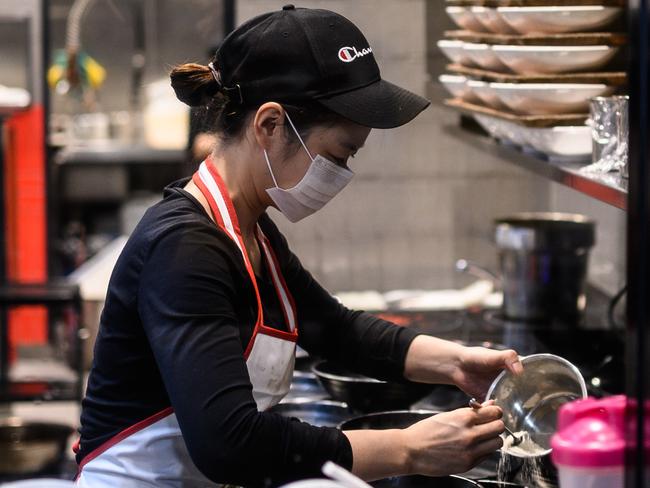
pixel 207 302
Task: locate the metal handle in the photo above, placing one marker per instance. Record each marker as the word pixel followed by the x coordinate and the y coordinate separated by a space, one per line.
pixel 465 266
pixel 476 406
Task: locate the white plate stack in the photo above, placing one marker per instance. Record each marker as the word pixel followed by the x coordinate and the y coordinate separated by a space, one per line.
pixel 502 68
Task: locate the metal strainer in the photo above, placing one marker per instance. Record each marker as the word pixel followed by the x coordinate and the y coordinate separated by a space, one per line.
pixel 531 400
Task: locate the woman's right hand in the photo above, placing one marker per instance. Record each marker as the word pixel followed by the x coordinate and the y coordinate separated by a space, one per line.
pixel 453 442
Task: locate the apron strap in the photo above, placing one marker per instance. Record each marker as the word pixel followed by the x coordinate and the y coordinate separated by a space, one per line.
pixel 209 181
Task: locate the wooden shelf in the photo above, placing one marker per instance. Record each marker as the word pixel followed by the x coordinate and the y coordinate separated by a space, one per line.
pixel 609 188
pixel 534 3
pixel 611 78
pixel 525 120
pixel 571 39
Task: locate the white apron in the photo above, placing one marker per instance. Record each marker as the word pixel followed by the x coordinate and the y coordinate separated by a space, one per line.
pixel 152 452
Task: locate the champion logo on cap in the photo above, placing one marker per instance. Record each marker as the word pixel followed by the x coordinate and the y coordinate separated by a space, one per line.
pixel 348 54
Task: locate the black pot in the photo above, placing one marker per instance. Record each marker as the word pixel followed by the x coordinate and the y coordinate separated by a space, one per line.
pixel 305 385
pixel 426 482
pixel 31 448
pixel 397 419
pixel 366 394
pixel 406 418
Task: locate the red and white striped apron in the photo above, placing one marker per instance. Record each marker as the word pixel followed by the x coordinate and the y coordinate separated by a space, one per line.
pixel 153 452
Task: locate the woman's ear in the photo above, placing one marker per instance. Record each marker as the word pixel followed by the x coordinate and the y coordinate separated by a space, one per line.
pixel 268 124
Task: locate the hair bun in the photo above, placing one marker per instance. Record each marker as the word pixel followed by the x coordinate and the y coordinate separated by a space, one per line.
pixel 194 84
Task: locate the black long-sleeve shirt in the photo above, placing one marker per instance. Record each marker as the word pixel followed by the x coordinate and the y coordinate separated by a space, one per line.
pixel 179 313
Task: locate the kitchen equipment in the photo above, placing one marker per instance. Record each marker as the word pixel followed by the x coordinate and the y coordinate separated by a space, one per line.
pixel 456 85
pixel 305 385
pixel 464 18
pixel 483 56
pixel 92 277
pixel 608 120
pixel 31 448
pixel 516 440
pixel 530 60
pixel 561 142
pixel 486 94
pixel 396 419
pixel 543 259
pixel 589 446
pixel 453 50
pixel 514 133
pixel 367 394
pixel 531 400
pixel 557 19
pixel 93 127
pixel 548 98
pixel 401 419
pixel 442 399
pixel 491 20
pixel 426 482
pixel 322 413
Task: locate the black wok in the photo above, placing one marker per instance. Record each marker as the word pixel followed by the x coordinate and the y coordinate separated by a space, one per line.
pixel 367 394
pixel 426 482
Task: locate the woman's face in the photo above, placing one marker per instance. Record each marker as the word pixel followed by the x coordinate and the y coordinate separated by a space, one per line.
pixel 338 143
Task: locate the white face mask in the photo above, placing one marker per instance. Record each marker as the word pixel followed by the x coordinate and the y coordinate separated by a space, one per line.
pixel 322 182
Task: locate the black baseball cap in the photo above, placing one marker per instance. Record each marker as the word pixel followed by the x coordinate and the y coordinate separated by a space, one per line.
pixel 302 54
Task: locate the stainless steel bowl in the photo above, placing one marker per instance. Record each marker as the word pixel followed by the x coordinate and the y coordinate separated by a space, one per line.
pixel 531 400
pixel 29 448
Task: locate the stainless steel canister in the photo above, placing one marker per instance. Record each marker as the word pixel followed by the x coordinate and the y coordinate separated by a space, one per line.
pixel 543 260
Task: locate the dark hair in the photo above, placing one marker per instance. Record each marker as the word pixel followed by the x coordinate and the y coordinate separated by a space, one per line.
pixel 224 115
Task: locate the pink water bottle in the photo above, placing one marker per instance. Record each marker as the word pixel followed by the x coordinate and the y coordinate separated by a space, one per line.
pixel 589 445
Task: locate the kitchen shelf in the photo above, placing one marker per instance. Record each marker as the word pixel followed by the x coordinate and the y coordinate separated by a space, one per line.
pixel 609 188
pixel 613 78
pixel 119 154
pixel 40 391
pixel 535 3
pixel 570 39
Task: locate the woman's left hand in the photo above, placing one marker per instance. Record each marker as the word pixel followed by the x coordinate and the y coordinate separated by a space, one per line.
pixel 472 369
pixel 478 366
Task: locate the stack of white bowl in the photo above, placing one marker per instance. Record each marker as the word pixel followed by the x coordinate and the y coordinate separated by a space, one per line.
pixel 531 98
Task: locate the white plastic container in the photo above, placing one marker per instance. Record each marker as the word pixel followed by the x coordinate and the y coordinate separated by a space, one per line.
pixel 603 477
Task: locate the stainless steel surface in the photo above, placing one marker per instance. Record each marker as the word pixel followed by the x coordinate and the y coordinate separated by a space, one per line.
pixel 543 260
pixel 322 413
pixel 531 400
pixel 30 448
pixel 611 189
pixel 477 406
